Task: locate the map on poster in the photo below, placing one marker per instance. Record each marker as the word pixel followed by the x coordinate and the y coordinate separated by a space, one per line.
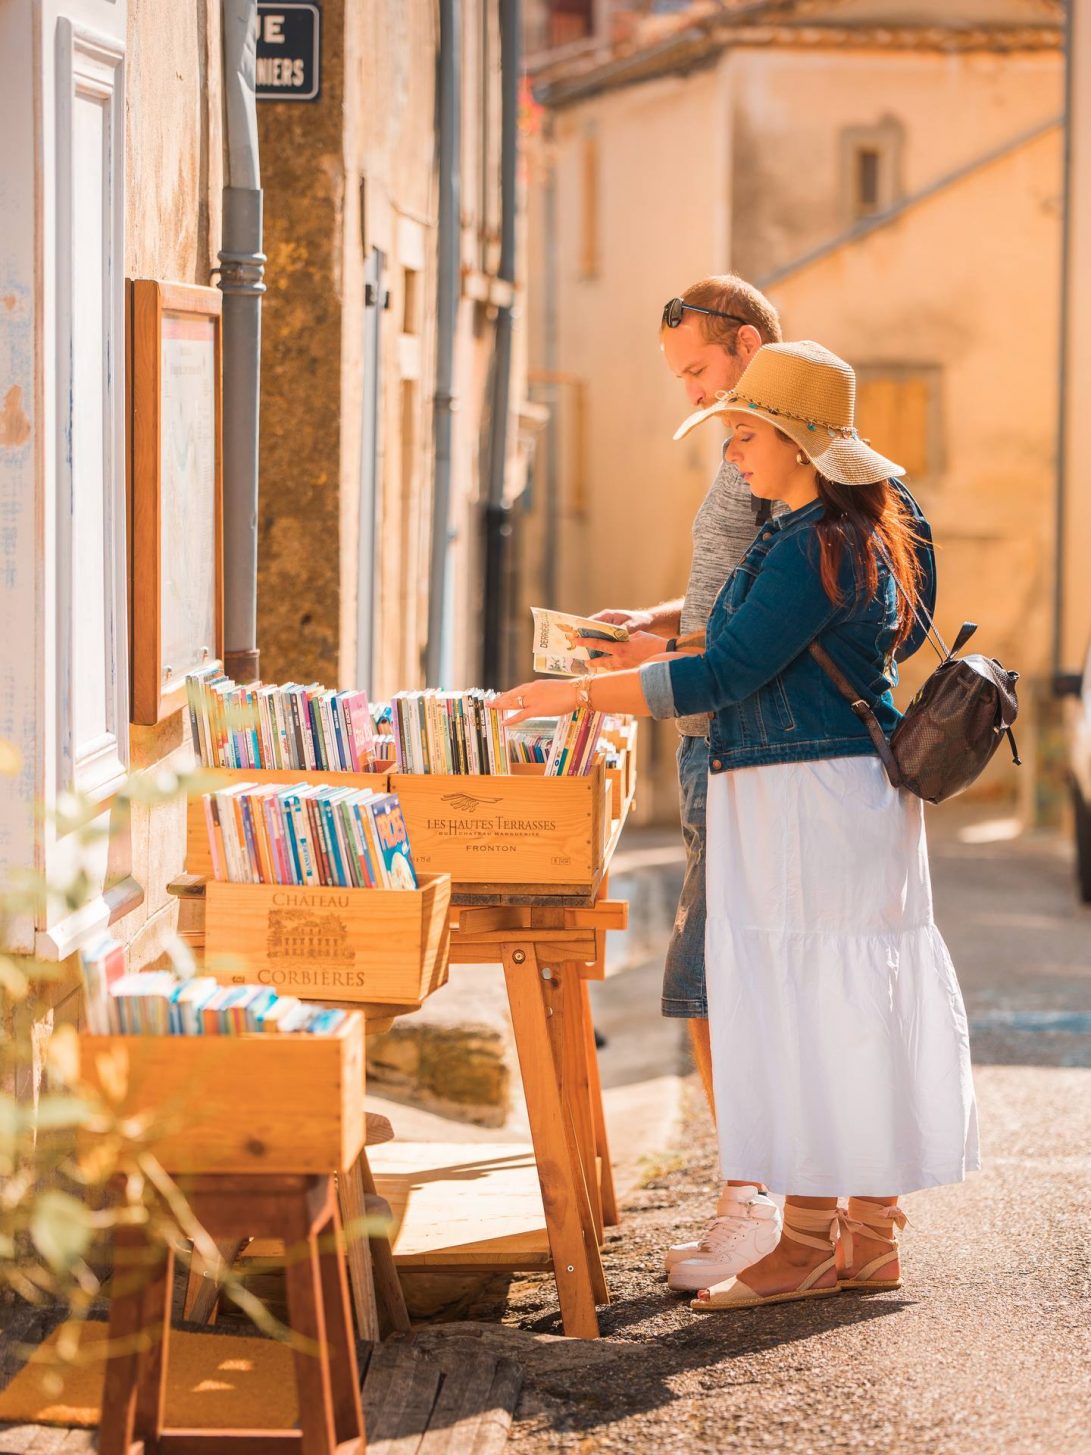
pixel 187 455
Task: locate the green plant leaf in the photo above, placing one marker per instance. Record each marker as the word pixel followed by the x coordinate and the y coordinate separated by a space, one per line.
pixel 61 1111
pixel 61 1228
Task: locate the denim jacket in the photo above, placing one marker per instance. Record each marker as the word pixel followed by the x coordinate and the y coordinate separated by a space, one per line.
pixel 768 699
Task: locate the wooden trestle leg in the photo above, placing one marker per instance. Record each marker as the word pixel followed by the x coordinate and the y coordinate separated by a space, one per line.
pixel 570 1223
pixel 565 999
pixel 610 1215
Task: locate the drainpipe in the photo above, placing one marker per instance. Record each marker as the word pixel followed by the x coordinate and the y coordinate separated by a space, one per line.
pixel 497 510
pixel 241 274
pixel 1063 361
pixel 448 287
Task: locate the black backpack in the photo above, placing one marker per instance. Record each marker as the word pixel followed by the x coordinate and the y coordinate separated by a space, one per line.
pixel 952 727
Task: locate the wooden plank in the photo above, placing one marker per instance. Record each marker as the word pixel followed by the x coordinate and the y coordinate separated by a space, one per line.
pixel 462 1403
pixel 569 1221
pixel 567 1032
pixel 561 945
pixel 399 1395
pixel 610 1215
pixel 350 1195
pixel 495 1424
pixel 462 1205
pixel 388 1288
pixel 250 1103
pixel 380 946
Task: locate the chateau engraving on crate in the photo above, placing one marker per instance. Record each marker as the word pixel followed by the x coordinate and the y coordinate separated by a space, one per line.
pixel 304 934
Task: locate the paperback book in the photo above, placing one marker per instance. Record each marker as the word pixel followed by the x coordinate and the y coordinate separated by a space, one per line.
pixel 285 727
pixel 156 1003
pixel 555 633
pixel 574 744
pixel 308 834
pixel 449 732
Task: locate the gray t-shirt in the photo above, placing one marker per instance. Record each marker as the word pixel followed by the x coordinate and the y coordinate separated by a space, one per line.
pixel 723 531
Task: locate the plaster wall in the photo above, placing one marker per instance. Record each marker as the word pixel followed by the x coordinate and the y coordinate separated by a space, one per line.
pixel 906 295
pixel 739 166
pixel 793 107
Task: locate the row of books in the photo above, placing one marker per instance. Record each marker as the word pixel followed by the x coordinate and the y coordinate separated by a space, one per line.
pixel 309 834
pixel 157 1003
pixel 531 742
pixel 449 732
pixel 285 727
pixel 574 743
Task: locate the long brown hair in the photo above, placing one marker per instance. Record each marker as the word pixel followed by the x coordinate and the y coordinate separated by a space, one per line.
pixel 868 520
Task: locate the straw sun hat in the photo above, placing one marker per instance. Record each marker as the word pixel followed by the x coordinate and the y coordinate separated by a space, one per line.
pixel 809 394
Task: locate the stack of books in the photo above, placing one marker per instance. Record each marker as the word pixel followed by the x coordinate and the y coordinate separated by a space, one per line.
pixel 532 741
pixel 573 749
pixel 156 1003
pixel 309 834
pixel 103 965
pixel 449 732
pixel 291 726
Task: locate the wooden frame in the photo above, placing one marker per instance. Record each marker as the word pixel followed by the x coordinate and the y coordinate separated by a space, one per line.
pixel 160 313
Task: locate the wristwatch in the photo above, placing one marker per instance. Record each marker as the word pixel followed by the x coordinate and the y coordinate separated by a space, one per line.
pixel 672 644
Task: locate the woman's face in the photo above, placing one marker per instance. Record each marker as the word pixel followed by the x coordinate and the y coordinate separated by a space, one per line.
pixel 762 456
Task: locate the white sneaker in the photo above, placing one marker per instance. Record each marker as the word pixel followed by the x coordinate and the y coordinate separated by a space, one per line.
pixel 746 1226
pixel 725 1206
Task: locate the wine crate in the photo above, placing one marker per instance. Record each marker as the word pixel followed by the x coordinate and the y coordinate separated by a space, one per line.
pixel 250 1103
pixel 198 854
pixel 521 831
pixel 384 946
pixel 623 741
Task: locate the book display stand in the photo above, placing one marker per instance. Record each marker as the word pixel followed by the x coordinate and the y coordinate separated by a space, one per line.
pixel 529 858
pixel 254 1128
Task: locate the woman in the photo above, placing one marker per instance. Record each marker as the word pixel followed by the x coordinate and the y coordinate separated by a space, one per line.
pixel 839 1040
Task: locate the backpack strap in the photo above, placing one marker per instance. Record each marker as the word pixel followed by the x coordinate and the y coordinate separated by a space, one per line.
pixel 861 708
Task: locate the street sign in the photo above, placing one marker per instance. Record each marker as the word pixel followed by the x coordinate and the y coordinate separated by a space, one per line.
pixel 289 51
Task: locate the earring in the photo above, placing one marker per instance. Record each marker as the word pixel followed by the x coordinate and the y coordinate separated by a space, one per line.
pixel 801 458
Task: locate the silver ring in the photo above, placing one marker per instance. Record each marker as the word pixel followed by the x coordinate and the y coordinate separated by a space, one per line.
pixel 520 702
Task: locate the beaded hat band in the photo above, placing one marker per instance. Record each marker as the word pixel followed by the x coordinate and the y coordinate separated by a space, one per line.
pixel 809 394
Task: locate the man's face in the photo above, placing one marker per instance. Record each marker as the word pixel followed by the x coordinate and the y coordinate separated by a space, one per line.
pixel 704 369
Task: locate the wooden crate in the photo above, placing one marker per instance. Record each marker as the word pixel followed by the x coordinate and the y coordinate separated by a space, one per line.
pixel 198 854
pixel 381 946
pixel 517 832
pixel 623 740
pixel 251 1103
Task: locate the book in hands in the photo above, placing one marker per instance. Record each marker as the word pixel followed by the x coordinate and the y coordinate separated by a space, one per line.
pixel 555 633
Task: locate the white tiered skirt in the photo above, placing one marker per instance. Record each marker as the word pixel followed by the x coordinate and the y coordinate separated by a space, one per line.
pixel 841 1055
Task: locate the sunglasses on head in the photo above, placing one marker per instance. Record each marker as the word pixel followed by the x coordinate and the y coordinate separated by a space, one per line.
pixel 674 311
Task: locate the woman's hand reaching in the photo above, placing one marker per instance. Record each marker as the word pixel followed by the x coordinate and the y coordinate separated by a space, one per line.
pixel 543 698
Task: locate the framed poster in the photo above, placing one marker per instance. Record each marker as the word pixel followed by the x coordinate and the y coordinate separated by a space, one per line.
pixel 176 490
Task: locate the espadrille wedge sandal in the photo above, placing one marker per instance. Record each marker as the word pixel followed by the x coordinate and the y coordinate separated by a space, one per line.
pixel 799 1224
pixel 869 1220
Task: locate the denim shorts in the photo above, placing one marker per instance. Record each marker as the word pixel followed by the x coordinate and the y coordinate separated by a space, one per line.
pixel 684 972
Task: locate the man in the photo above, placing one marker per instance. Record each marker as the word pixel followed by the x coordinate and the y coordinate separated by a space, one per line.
pixel 708 336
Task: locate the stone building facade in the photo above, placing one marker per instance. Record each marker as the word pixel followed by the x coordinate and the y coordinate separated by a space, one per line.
pixel 351 186
pixel 891 176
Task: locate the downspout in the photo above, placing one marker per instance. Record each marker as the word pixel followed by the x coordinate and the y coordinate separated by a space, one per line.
pixel 1063 360
pixel 497 509
pixel 449 126
pixel 241 274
